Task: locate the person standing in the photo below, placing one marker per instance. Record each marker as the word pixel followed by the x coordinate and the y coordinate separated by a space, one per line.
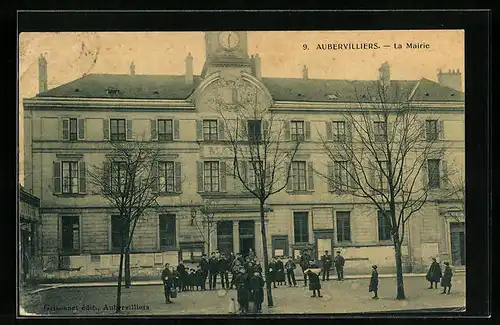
pixel 272 272
pixel 242 292
pixel 212 268
pixel 251 255
pixel 257 290
pixel 223 268
pixel 434 274
pixel 326 264
pixel 314 283
pixel 339 262
pixel 304 265
pixel 446 280
pixel 280 272
pixel 374 282
pixel 204 266
pixel 167 278
pixel 181 269
pixel 290 272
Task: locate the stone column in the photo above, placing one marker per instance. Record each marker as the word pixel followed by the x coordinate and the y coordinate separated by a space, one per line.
pixel 236 237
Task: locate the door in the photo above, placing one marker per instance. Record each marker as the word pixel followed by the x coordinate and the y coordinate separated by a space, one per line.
pixel 324 242
pixel 457 238
pixel 247 236
pixel 280 245
pixel 225 236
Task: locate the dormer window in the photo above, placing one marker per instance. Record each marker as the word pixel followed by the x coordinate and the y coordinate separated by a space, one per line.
pixel 112 91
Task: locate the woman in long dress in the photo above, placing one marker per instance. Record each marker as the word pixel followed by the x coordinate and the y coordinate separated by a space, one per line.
pixel 374 282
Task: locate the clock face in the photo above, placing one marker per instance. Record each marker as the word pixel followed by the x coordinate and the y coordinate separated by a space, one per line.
pixel 228 40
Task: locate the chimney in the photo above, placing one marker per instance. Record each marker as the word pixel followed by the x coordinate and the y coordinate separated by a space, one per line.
pixel 42 74
pixel 257 68
pixel 451 79
pixel 305 73
pixel 132 68
pixel 189 69
pixel 385 74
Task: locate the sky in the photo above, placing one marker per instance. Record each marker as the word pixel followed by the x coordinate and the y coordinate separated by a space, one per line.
pixel 71 55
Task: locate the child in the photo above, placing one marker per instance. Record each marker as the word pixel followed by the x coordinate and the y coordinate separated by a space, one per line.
pixel 446 280
pixel 198 275
pixel 191 279
pixel 314 283
pixel 374 282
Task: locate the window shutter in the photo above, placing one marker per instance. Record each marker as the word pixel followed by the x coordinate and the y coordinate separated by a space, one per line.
pixel 178 180
pixel 265 130
pixel 107 176
pixel 348 131
pixel 286 130
pixel 56 167
pixel 199 130
pixel 83 177
pixel 308 130
pixel 222 130
pixel 223 169
pixel 81 129
pixel 289 172
pixel 244 171
pixel 441 129
pixel 177 135
pixel 423 130
pixel 390 132
pixel 329 130
pixel 310 176
pixel 154 130
pixel 372 177
pixel 105 128
pixel 444 174
pixel 129 130
pixel 352 184
pixel 425 176
pixel 65 128
pixel 331 177
pixel 199 175
pixel 269 176
pixel 154 175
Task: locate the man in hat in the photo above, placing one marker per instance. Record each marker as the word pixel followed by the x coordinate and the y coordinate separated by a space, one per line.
pixel 326 263
pixel 167 278
pixel 446 280
pixel 374 282
pixel 314 284
pixel 434 274
pixel 290 272
pixel 204 266
pixel 243 289
pixel 213 266
pixel 339 262
pixel 304 265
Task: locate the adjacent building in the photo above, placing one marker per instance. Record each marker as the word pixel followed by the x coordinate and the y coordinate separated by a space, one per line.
pixel 29 254
pixel 68 129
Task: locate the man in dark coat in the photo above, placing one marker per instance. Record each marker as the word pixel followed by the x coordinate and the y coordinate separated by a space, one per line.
pixel 339 262
pixel 257 290
pixel 280 272
pixel 243 289
pixel 434 274
pixel 198 275
pixel 167 278
pixel 223 268
pixel 304 265
pixel 446 280
pixel 181 269
pixel 213 270
pixel 235 267
pixel 326 264
pixel 374 282
pixel 290 272
pixel 272 272
pixel 204 266
pixel 314 283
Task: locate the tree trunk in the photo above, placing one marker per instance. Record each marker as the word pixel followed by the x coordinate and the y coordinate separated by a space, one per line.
pixel 128 280
pixel 399 268
pixel 265 255
pixel 120 274
pixel 209 238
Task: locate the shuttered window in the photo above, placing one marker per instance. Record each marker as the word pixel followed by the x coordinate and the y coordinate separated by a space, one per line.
pixel 167 230
pixel 211 176
pixel 343 226
pixel 301 227
pixel 384 226
pixel 165 130
pixel 118 131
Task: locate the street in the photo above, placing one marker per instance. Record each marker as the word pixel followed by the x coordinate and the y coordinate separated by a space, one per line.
pixel 338 297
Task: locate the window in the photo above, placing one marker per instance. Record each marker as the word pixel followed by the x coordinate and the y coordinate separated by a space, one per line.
pixel 118 130
pixel 297 130
pixel 433 173
pixel 165 130
pixel 166 176
pixel 70 240
pixel 300 227
pixel 211 176
pixel 117 224
pixel 299 176
pixel 384 226
pixel 382 181
pixel 73 129
pixel 340 175
pixel 118 176
pixel 70 177
pixel 209 129
pixel 343 226
pixel 254 130
pixel 167 230
pixel 338 131
pixel 431 129
pixel 380 131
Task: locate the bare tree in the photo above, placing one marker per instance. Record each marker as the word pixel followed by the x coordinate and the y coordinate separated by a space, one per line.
pixel 384 157
pixel 128 180
pixel 205 224
pixel 456 193
pixel 261 157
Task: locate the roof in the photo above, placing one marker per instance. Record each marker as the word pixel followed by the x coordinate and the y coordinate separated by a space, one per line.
pixel 281 89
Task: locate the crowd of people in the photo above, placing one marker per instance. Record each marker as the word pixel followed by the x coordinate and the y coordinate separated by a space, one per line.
pixel 247 276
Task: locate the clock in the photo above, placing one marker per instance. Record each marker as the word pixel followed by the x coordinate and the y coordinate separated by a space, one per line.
pixel 229 40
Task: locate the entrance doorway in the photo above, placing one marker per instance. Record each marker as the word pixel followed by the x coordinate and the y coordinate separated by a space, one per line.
pixel 225 236
pixel 457 238
pixel 247 236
